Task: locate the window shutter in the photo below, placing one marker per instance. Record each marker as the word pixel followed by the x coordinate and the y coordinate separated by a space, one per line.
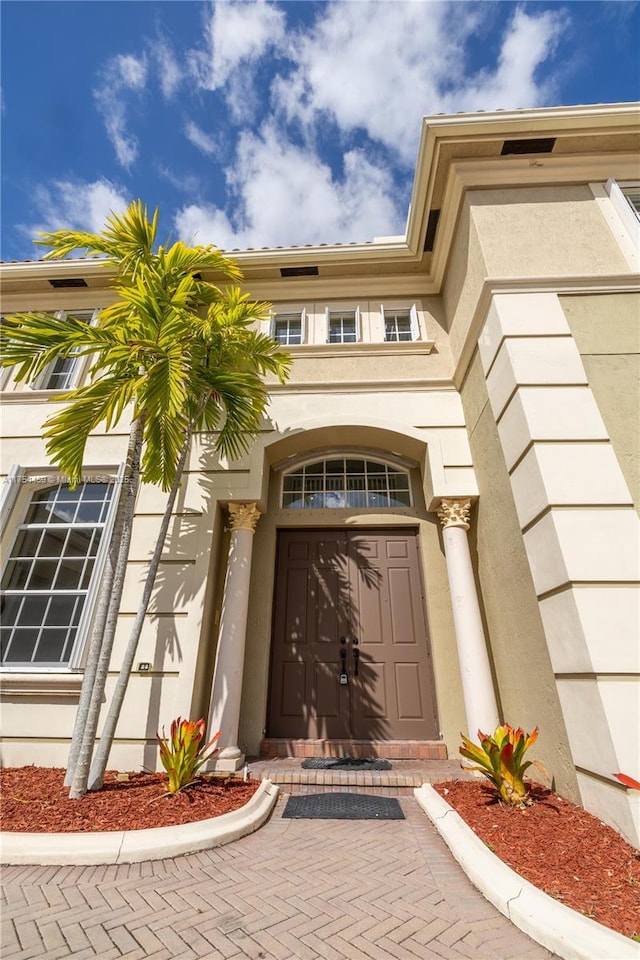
pixel 358 335
pixel 415 323
pixel 327 322
pixel 303 325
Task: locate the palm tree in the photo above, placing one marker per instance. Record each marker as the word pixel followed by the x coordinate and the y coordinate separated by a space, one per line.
pixel 176 351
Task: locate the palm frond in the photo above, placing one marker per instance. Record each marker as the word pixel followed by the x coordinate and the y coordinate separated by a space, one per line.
pixel 31 341
pixel 68 430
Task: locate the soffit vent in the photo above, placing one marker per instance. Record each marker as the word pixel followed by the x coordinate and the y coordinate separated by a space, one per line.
pixel 60 282
pixel 539 145
pixel 432 226
pixel 299 271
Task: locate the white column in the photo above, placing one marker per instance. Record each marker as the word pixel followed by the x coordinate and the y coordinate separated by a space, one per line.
pixel 477 682
pixel 224 710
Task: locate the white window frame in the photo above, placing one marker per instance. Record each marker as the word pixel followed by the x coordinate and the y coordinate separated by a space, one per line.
pixel 366 489
pixel 77 368
pixel 302 314
pixel 414 322
pixel 356 311
pixel 14 505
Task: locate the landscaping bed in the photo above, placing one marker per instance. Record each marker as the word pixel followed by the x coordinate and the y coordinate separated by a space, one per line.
pixel 560 848
pixel 34 800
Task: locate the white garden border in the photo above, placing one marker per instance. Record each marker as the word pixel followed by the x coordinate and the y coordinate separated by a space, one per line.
pixel 560 929
pixel 131 846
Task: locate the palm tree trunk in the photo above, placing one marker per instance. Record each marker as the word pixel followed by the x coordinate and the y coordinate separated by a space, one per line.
pixel 132 479
pixel 101 758
pixel 95 644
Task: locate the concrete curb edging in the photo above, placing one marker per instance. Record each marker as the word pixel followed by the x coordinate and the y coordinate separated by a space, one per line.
pixel 555 926
pixel 131 846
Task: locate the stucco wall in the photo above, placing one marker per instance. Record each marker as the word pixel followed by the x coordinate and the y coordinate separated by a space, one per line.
pixel 606 329
pixel 524 232
pixel 525 679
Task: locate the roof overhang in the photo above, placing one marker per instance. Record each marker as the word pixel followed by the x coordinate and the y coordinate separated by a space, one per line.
pixel 456 153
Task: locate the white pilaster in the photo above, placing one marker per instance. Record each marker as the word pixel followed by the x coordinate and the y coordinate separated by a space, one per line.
pixel 477 682
pixel 224 710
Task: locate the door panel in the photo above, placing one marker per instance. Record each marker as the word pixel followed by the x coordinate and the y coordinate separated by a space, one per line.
pixel 364 586
pixel 392 698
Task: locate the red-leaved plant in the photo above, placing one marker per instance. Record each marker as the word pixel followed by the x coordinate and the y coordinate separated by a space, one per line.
pixel 500 760
pixel 627 780
pixel 183 753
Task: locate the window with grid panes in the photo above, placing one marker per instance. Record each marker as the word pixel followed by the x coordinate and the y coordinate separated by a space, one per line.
pixel 61 373
pixel 343 326
pixel 340 482
pixel 287 328
pixel 397 325
pixel 49 571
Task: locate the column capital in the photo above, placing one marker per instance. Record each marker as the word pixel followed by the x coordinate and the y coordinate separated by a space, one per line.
pixel 455 513
pixel 243 516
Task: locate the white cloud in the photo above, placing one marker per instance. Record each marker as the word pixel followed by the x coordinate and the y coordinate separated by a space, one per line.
pixel 185 182
pixel 284 195
pixel 369 69
pixel 529 41
pixel 343 70
pixel 122 74
pixel 237 34
pixel 169 72
pixel 66 204
pixel 201 140
pixel 130 71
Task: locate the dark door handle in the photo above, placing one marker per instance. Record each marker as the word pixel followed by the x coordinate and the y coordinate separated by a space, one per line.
pixel 356 660
pixel 355 641
pixel 343 639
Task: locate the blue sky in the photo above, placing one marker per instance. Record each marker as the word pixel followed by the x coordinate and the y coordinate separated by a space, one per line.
pixel 270 124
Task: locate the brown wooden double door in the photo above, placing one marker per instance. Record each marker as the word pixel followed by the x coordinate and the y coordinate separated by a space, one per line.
pixel 350 603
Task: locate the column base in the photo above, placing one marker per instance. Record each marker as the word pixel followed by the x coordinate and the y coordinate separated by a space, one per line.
pixel 226 764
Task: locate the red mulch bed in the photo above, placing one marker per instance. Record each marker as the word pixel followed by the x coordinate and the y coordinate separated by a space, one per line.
pixel 34 799
pixel 560 848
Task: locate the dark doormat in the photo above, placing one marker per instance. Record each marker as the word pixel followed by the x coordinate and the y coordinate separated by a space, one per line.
pixel 342 806
pixel 344 763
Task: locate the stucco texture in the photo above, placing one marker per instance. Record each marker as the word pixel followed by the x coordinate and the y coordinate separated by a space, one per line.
pixel 606 329
pixel 525 679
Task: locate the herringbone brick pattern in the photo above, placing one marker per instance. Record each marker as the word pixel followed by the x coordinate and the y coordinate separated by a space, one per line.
pixel 295 890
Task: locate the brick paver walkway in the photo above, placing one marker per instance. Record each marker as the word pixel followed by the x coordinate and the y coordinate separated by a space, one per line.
pixel 295 890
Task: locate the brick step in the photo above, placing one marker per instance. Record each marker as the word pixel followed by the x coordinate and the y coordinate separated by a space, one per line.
pixel 401 780
pixel 272 747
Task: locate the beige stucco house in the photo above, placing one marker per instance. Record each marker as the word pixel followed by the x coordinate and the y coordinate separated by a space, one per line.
pixel 438 525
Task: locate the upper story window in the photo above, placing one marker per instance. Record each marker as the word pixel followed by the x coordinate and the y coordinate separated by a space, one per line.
pixel 288 328
pixel 49 572
pixel 400 325
pixel 346 482
pixel 631 193
pixel 343 326
pixel 62 374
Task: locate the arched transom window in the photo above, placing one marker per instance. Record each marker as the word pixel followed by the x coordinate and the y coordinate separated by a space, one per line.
pixel 346 482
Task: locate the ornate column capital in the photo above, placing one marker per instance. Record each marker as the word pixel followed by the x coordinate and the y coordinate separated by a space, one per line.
pixel 243 516
pixel 455 513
